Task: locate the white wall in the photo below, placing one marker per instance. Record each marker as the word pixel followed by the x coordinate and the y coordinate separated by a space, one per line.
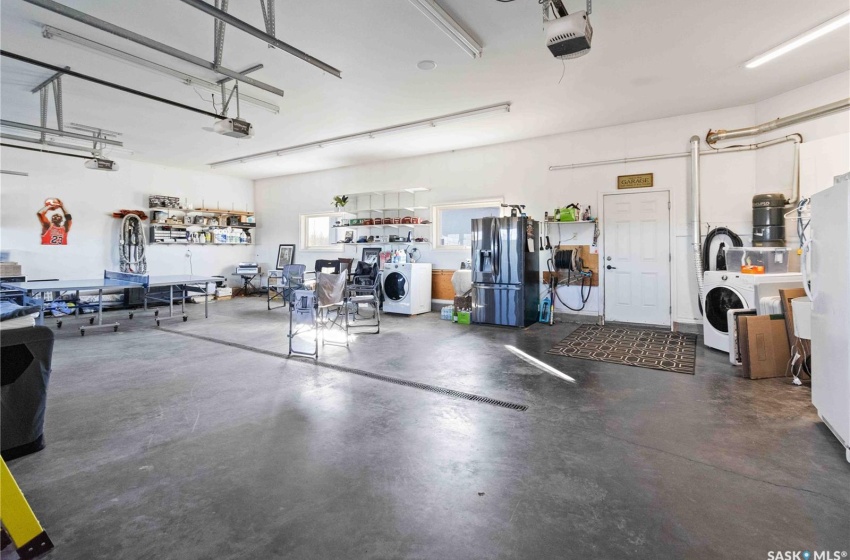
pixel 91 197
pixel 773 165
pixel 518 172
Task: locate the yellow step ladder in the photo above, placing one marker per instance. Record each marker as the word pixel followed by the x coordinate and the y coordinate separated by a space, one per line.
pixel 18 519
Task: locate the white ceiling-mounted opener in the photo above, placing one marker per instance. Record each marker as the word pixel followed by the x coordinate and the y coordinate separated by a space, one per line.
pixel 567 35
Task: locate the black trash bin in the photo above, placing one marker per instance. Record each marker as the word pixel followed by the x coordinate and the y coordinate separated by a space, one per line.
pixel 25 365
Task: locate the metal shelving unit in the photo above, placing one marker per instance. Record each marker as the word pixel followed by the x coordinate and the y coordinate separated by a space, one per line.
pixel 158 229
pixel 373 205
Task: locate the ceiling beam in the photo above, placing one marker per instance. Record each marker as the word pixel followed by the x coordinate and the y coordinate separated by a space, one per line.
pixel 17 138
pixel 49 32
pixel 260 34
pixel 49 80
pixel 43 151
pixel 77 15
pixel 109 84
pixel 54 132
pixel 253 68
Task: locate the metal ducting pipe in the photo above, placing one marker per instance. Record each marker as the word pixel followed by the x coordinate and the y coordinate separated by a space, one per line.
pixel 717 135
pixel 795 172
pixel 695 215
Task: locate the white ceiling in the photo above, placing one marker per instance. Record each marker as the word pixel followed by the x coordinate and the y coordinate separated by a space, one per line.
pixel 650 59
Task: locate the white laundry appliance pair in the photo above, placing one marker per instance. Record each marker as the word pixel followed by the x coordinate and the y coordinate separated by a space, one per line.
pixel 407 288
pixel 725 290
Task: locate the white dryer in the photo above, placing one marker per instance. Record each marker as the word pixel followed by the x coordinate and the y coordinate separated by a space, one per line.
pixel 725 290
pixel 407 288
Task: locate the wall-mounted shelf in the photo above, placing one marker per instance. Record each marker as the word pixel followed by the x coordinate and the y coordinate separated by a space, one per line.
pixel 378 243
pixel 194 243
pixel 575 222
pixel 201 211
pixel 175 232
pixel 397 204
pixel 200 227
pixel 381 226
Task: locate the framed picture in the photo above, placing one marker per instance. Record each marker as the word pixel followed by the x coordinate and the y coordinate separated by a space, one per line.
pixel 285 256
pixel 370 255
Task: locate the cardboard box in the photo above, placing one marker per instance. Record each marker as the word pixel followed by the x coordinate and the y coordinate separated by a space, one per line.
pixel 764 346
pixel 462 303
pixel 223 292
pixel 10 269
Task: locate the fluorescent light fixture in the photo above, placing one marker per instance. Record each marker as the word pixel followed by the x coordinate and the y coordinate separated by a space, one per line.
pixel 54 132
pixel 49 32
pixel 538 364
pixel 473 113
pixel 450 27
pixel 800 40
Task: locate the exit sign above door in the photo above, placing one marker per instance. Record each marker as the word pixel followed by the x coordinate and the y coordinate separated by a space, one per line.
pixel 634 181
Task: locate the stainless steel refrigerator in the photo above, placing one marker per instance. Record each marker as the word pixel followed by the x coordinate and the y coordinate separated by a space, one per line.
pixel 505 271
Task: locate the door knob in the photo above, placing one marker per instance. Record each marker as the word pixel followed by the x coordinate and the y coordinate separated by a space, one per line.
pixel 609 267
pixel 608 258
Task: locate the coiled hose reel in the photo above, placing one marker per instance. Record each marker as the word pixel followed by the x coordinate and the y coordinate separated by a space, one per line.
pixel 569 260
pixel 131 245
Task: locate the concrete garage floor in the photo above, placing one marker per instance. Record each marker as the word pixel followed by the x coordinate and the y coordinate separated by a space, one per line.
pixel 162 445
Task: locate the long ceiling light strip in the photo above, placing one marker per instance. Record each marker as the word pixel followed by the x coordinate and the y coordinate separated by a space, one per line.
pixel 63 133
pixel 51 143
pixel 826 27
pixel 498 108
pixel 50 32
pixel 43 151
pixel 449 26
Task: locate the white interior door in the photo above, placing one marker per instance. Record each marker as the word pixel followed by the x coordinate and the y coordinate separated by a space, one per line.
pixel 637 257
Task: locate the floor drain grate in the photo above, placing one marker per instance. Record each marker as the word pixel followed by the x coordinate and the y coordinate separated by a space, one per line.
pixel 377 376
pixel 428 387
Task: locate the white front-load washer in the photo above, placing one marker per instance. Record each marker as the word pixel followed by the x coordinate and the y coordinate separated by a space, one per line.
pixel 407 288
pixel 725 290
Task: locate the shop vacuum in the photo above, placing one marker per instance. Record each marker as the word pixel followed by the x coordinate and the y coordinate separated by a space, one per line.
pixel 769 220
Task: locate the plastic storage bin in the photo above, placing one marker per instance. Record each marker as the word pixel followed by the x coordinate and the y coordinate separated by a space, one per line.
pixel 761 260
pixel 463 317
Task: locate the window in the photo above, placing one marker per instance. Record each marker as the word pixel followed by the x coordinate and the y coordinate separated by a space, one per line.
pixel 318 233
pixel 453 222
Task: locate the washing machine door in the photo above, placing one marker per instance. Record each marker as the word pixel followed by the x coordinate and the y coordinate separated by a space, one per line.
pixel 718 301
pixel 395 286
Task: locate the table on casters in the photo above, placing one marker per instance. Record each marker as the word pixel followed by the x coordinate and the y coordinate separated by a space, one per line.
pixel 116 282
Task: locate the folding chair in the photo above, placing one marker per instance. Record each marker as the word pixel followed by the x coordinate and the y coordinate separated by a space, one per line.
pixel 303 318
pixel 332 305
pixel 327 266
pixel 366 290
pixel 283 283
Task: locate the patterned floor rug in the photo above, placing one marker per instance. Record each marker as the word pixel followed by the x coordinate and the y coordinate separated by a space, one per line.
pixel 664 350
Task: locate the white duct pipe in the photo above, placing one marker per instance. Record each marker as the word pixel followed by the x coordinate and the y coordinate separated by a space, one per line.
pixel 717 135
pixel 696 245
pixel 744 148
pixel 695 191
pixel 795 172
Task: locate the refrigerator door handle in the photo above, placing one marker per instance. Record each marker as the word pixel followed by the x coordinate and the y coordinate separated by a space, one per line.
pixel 497 286
pixel 495 231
